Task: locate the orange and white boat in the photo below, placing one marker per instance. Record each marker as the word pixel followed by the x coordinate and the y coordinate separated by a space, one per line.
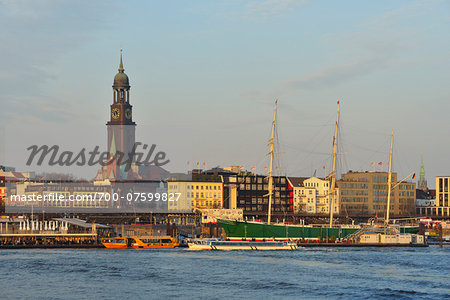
pixel 139 242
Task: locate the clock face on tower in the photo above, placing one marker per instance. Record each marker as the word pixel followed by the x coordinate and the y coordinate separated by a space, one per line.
pixel 115 113
pixel 128 113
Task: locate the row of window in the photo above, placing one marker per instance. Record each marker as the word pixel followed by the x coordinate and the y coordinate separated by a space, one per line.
pixel 355 192
pixel 316 184
pixel 217 187
pixel 355 199
pixel 353 185
pixel 251 179
pixel 443 184
pixel 204 195
pixel 201 204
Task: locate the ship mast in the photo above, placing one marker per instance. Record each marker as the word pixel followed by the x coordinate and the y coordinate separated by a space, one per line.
pixel 271 163
pixel 333 172
pixel 389 180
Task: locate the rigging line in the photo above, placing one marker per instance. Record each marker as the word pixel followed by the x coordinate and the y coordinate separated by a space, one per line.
pixel 303 125
pixel 307 151
pixel 399 163
pixel 364 132
pixel 383 145
pixel 325 161
pixel 277 136
pixel 316 145
pixel 317 134
pixel 367 149
pixel 342 157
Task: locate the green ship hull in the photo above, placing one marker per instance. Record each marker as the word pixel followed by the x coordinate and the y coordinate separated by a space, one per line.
pixel 245 230
pixel 409 229
pixel 254 230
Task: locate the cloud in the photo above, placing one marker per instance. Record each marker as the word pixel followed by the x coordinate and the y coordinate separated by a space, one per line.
pixel 336 74
pixel 381 42
pixel 34 35
pixel 271 8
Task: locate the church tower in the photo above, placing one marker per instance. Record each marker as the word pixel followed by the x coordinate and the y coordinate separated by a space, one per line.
pixel 422 183
pixel 121 128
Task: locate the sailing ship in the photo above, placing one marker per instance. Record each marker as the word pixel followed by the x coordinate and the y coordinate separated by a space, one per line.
pixel 386 233
pixel 248 230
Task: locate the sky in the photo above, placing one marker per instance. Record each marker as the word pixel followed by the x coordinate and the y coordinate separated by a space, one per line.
pixel 205 75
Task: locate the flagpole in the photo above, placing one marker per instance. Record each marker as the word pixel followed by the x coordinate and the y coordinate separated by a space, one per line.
pixel 389 180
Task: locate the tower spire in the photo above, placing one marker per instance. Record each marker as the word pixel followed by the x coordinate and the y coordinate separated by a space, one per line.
pixel 121 69
pixel 422 184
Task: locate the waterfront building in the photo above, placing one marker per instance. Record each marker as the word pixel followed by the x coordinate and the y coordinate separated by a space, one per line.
pixel 9 179
pixel 249 192
pixel 425 202
pixel 207 195
pixel 365 193
pixel 181 191
pixel 2 195
pixel 195 191
pixel 424 199
pixel 313 196
pixel 442 197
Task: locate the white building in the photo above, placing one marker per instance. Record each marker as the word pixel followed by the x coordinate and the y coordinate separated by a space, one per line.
pixel 313 196
pixel 180 196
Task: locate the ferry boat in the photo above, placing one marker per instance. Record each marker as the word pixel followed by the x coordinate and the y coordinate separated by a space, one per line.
pixel 240 245
pixel 139 242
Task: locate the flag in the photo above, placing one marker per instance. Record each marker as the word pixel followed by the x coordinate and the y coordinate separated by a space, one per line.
pixel 323 167
pixel 380 163
pixel 414 176
pixel 204 163
pixel 338 102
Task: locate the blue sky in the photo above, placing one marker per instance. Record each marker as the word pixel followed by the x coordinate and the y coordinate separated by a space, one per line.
pixel 205 75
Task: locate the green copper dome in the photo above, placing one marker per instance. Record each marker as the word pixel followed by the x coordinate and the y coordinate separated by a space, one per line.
pixel 121 79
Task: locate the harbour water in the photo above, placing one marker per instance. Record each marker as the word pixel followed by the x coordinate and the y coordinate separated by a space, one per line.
pixel 313 273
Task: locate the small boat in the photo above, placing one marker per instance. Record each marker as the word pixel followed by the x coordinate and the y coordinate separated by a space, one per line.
pixel 214 244
pixel 139 242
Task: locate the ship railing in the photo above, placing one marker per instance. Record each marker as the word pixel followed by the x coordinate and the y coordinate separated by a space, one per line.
pixel 386 229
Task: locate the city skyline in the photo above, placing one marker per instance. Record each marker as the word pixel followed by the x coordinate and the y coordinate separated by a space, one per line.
pixel 204 79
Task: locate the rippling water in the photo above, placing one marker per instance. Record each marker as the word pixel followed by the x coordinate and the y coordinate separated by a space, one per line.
pixel 408 273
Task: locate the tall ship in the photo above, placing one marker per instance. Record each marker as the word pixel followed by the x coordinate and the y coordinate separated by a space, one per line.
pixel 251 230
pixel 386 233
